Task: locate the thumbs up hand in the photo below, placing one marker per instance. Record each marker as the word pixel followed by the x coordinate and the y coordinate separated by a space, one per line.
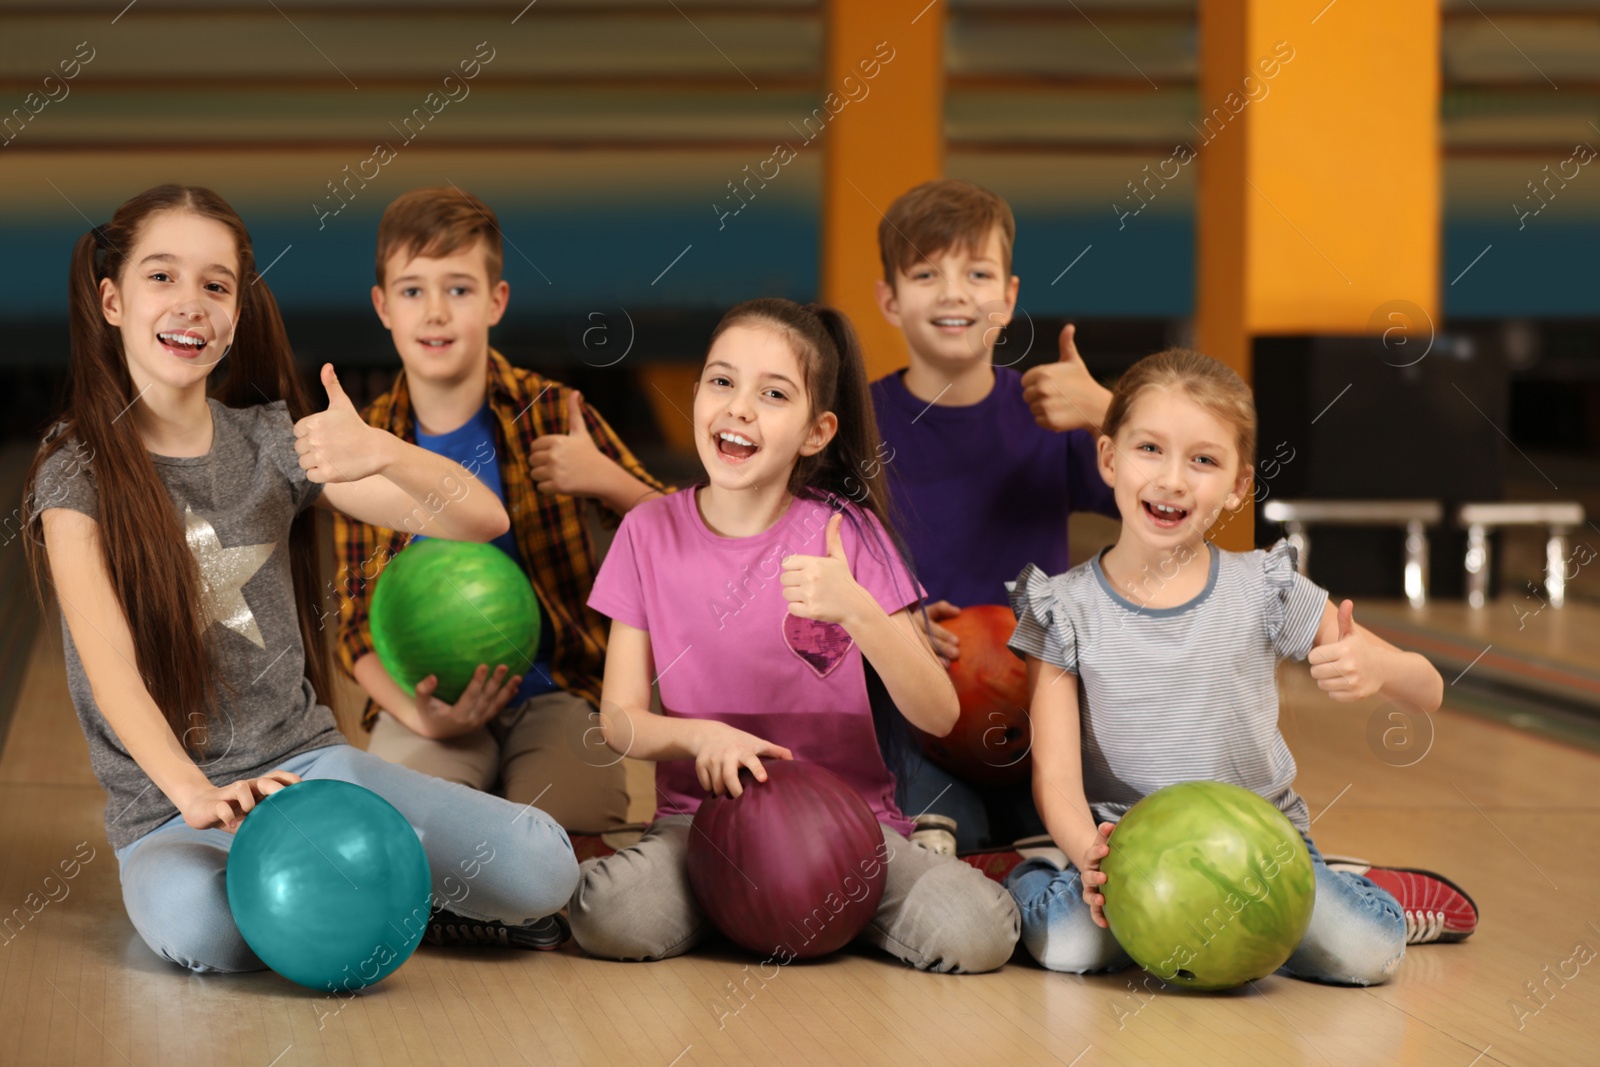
pixel 822 587
pixel 337 445
pixel 1352 666
pixel 570 462
pixel 1064 395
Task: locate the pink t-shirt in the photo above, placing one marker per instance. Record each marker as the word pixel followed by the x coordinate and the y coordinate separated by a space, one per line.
pixel 726 647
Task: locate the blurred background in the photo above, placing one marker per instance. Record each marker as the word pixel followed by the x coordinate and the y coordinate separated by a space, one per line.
pixel 1383 215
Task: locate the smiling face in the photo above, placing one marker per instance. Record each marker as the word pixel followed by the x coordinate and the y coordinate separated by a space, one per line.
pixel 1174 465
pixel 952 306
pixel 439 310
pixel 177 299
pixel 752 414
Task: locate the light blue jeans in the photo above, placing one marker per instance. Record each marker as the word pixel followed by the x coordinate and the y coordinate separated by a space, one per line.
pixel 1357 934
pixel 491 860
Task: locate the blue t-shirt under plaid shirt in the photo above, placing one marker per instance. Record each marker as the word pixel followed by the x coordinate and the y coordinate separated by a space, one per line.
pixel 1179 694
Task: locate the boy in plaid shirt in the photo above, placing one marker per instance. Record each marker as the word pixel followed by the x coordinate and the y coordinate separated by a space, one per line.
pixel 544 452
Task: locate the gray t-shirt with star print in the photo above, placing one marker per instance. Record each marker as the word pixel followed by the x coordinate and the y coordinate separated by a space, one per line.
pixel 236 504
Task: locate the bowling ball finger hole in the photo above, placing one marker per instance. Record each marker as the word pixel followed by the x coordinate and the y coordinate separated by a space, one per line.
pixel 1184 973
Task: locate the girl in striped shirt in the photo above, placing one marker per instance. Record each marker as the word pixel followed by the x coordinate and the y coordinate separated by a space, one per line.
pixel 1154 663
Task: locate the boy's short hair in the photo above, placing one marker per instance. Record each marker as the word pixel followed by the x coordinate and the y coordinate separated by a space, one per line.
pixel 438 222
pixel 939 215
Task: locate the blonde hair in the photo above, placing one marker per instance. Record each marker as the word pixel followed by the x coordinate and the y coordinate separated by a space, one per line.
pixel 1215 386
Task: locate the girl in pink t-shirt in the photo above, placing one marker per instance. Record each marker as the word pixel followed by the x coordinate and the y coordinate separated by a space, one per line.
pixel 756 600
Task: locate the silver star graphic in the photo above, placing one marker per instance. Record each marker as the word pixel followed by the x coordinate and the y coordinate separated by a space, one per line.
pixel 223 572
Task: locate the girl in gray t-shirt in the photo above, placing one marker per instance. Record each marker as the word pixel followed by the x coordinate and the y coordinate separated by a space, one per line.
pixel 170 521
pixel 1154 663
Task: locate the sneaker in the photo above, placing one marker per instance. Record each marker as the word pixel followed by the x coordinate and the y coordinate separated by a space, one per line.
pixel 994 863
pixel 448 928
pixel 1436 909
pixel 1041 847
pixel 936 833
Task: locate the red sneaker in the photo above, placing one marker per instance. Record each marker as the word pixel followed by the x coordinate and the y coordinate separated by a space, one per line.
pixel 1436 908
pixel 994 863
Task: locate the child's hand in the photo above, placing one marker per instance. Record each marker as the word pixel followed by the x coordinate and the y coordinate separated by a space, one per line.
pixel 1064 395
pixel 569 462
pixel 822 587
pixel 481 701
pixel 945 643
pixel 1352 666
pixel 225 806
pixel 1094 877
pixel 337 445
pixel 724 750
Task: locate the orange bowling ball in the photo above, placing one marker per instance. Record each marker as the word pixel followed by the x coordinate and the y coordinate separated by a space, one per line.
pixel 992 740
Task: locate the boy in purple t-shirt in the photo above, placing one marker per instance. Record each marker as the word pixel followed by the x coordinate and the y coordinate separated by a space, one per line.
pixel 983 463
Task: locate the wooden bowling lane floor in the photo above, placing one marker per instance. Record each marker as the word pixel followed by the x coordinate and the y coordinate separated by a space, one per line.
pixel 1513 818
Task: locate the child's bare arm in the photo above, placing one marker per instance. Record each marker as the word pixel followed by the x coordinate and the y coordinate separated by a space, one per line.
pixel 370 474
pixel 1058 778
pixel 1058 759
pixel 104 642
pixel 718 750
pixel 1351 662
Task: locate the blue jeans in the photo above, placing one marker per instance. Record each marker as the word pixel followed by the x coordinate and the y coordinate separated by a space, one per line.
pixel 174 878
pixel 1357 934
pixel 987 816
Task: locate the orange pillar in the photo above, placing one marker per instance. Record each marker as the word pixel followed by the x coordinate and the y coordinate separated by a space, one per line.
pixel 876 147
pixel 1318 149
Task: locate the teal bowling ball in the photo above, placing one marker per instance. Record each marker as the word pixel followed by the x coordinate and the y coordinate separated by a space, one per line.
pixel 443 607
pixel 329 885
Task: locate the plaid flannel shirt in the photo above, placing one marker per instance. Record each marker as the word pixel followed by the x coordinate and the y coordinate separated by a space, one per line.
pixel 549 528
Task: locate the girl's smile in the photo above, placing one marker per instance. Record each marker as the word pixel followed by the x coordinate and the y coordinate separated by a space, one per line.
pixel 734 447
pixel 183 343
pixel 1165 516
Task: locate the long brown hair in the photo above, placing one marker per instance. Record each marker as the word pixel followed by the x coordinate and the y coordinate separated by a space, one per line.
pixel 153 573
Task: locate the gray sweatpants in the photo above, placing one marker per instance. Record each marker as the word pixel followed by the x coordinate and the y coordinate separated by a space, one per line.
pixel 937 913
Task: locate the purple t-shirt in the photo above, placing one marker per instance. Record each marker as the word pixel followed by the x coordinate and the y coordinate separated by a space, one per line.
pixel 726 647
pixel 981 491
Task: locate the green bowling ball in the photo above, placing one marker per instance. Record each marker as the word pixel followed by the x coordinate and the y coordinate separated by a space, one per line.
pixel 443 607
pixel 329 885
pixel 1208 886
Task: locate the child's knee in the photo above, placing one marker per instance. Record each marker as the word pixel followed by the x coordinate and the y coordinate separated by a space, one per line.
pixel 616 917
pixel 542 872
pixel 1356 955
pixel 975 926
pixel 1371 962
pixel 1073 945
pixel 182 914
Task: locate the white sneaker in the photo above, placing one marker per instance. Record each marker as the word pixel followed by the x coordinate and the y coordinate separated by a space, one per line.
pixel 1041 847
pixel 936 833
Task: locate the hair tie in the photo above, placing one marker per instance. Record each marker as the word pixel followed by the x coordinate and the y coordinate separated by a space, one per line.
pixel 102 239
